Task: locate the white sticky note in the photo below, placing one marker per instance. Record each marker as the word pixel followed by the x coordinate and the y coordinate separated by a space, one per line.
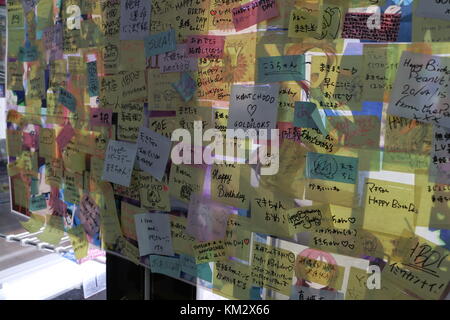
pixel 253 107
pixel 421 89
pixel 134 19
pixel 119 161
pixel 436 9
pixel 153 233
pixel 153 152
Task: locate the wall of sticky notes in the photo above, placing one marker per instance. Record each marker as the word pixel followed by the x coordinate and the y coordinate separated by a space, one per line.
pixel 339 188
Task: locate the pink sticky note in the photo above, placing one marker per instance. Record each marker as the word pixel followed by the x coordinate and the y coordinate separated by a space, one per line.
pixel 254 12
pixel 101 117
pixel 205 46
pixel 64 136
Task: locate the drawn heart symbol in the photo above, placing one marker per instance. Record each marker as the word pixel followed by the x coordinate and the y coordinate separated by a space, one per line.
pixel 344 243
pixel 246 241
pixel 251 109
pixel 351 246
pixel 213 12
pixel 352 220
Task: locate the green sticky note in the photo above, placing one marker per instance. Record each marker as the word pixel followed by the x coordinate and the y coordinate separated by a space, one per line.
pixel 188 264
pixel 34 186
pixel 169 266
pixel 204 272
pixel 331 167
pixel 28 54
pixel 281 68
pixel 38 203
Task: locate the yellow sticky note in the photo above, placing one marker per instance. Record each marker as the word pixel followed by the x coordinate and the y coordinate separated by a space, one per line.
pixel 54 230
pixel 34 224
pixel 47 143
pixel 181 241
pixel 110 225
pixel 110 92
pixel 73 158
pixel 160 93
pixel 154 194
pixel 291 171
pixel 240 57
pixel 133 86
pixel 128 225
pixel 357 288
pixel 79 241
pixel 73 186
pixel 434 199
pixel 163 125
pixel 53 172
pixel 226 184
pixel 308 218
pixel 131 252
pixel 36 83
pixel 423 271
pixel 269 212
pixel 132 55
pixel 130 119
pixel 77 65
pixel 238 237
pixel 14 142
pixel 266 273
pixel 15 41
pixel 338 193
pixel 304 23
pixel 21 193
pixel 15 75
pixel 185 181
pixel 209 251
pixel 407 136
pixel 15 15
pixel 13 169
pixel 389 207
pixel 28 161
pixel 232 279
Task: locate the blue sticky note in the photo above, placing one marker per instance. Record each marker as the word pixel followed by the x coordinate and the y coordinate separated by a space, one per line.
pixel 308 116
pixel 330 167
pixel 303 115
pixel 67 99
pixel 185 87
pixel 93 85
pixel 188 264
pixel 170 266
pixel 204 272
pixel 38 203
pixel 281 68
pixel 28 54
pixel 160 43
pixel 255 293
